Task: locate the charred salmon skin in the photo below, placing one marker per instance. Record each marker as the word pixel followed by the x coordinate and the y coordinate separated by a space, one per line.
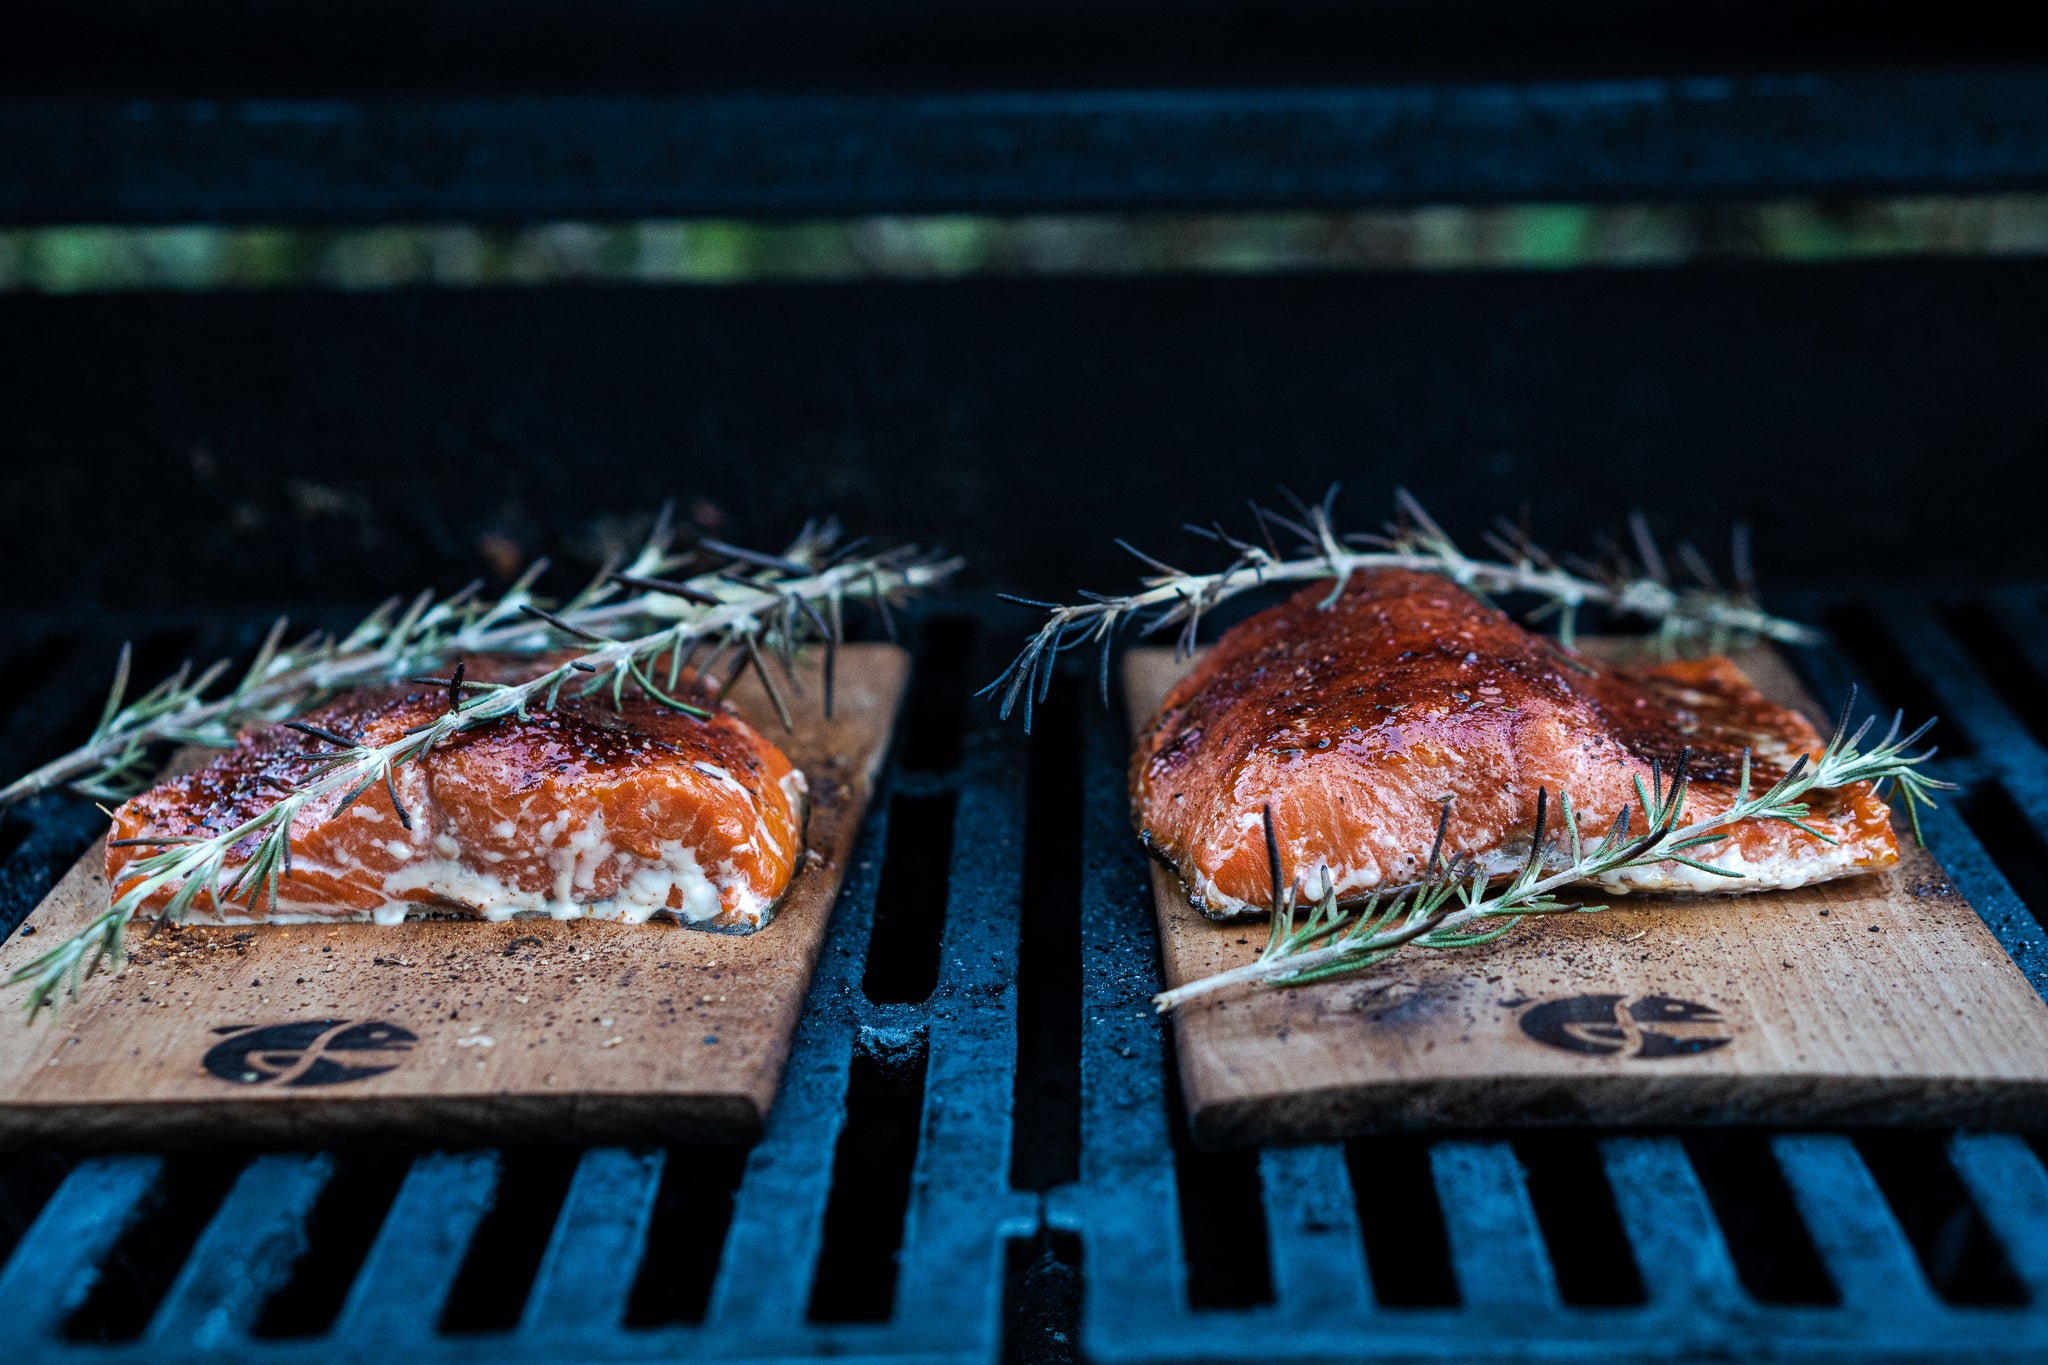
pixel 584 811
pixel 1357 720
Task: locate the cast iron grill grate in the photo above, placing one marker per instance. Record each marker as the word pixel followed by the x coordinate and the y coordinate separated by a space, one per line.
pixel 976 1153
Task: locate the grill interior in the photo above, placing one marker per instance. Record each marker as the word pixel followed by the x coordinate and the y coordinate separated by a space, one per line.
pixel 977 1152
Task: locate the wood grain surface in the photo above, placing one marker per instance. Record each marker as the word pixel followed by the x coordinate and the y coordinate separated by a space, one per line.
pixel 1875 999
pixel 453 1030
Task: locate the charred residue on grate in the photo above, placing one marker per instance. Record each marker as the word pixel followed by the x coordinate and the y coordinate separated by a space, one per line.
pixel 1222 1212
pixel 1046 1115
pixel 505 1253
pixel 1901 686
pixel 144 1262
pixel 1773 1253
pixel 686 1234
pixel 1042 1300
pixel 343 1225
pixel 871 1171
pixel 2013 842
pixel 1963 1261
pixel 1589 1250
pixel 1407 1251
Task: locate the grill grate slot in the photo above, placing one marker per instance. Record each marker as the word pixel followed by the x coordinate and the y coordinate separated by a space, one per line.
pixel 1042 1300
pixel 505 1254
pixel 1575 1208
pixel 1046 1127
pixel 1862 636
pixel 1999 657
pixel 1961 1259
pixel 692 1213
pixel 910 906
pixel 934 712
pixel 144 1262
pixel 1406 1251
pixel 1222 1214
pixel 343 1226
pixel 871 1170
pixel 1773 1252
pixel 2013 842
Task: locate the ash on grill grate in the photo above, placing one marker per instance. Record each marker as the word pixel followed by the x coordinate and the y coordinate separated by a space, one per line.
pixel 1963 1262
pixel 1773 1252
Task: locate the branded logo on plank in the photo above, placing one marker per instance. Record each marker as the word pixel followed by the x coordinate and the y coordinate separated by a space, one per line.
pixel 308 1052
pixel 1611 1025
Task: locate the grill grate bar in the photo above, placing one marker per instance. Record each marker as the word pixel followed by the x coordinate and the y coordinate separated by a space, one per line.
pixel 1497 1248
pixel 405 1280
pixel 245 1253
pixel 1678 1247
pixel 2010 1189
pixel 601 1229
pixel 1312 1233
pixel 58 1261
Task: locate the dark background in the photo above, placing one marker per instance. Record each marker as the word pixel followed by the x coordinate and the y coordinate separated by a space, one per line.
pixel 1873 420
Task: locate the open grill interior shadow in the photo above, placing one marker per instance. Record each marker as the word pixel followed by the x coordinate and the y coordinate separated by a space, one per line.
pixel 1773 1252
pixel 2013 843
pixel 1222 1213
pixel 1407 1252
pixel 139 1271
pixel 504 1255
pixel 1979 631
pixel 1963 1261
pixel 692 1212
pixel 1046 1125
pixel 1900 686
pixel 871 1170
pixel 344 1223
pixel 27 1180
pixel 1042 1300
pixel 1575 1208
pixel 910 903
pixel 933 712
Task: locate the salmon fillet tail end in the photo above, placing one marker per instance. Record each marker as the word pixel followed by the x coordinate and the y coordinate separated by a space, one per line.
pixel 1357 722
pixel 585 811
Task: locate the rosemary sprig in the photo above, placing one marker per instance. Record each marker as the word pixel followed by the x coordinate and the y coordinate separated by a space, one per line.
pixel 768 611
pixel 1703 615
pixel 1454 908
pixel 400 639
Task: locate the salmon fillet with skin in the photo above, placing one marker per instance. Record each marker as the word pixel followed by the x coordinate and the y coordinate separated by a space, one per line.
pixel 1357 721
pixel 582 811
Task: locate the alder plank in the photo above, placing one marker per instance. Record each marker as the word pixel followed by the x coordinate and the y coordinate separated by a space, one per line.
pixel 574 1030
pixel 1875 999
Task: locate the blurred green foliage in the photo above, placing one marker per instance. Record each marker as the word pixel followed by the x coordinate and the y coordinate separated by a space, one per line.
pixel 1519 236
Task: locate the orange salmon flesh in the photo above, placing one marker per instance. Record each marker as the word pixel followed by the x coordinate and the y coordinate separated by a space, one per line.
pixel 1355 722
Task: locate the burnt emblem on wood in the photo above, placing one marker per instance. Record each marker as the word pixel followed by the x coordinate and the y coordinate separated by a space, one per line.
pixel 308 1051
pixel 1611 1025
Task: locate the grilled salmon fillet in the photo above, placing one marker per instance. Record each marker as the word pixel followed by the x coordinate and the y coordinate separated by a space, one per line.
pixel 584 811
pixel 1356 721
